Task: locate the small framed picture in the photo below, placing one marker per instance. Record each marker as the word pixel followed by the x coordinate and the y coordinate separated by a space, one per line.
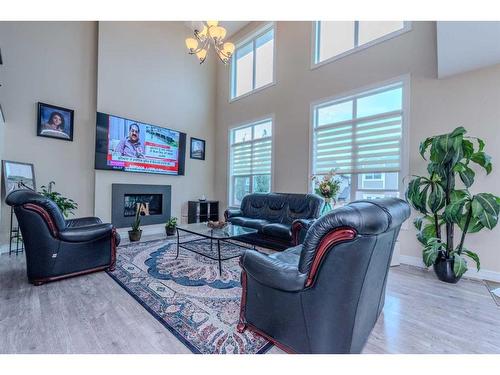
pixel 55 122
pixel 18 175
pixel 197 149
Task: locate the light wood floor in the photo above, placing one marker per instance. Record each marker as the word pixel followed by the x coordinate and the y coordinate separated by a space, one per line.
pixel 92 314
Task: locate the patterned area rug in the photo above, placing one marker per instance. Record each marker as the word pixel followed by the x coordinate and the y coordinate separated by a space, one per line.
pixel 187 295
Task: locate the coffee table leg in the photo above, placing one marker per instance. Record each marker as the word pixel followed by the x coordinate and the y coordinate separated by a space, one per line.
pixel 220 262
pixel 177 255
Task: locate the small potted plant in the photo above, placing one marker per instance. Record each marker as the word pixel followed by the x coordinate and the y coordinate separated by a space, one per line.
pixel 170 226
pixel 136 232
pixel 327 187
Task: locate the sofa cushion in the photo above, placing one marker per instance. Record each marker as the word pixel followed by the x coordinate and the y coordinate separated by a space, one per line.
pixel 278 230
pixel 249 223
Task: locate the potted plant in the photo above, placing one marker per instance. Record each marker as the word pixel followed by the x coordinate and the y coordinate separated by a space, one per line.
pixel 327 187
pixel 136 232
pixel 170 226
pixel 66 205
pixel 445 204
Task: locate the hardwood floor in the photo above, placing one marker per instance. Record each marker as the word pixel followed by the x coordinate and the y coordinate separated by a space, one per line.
pixel 93 314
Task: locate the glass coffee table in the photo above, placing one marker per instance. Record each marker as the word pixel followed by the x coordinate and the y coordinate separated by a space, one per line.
pixel 229 232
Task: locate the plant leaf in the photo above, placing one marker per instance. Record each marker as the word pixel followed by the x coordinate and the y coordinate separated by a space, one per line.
pixel 468 148
pixel 437 198
pixel 474 257
pixel 459 265
pixel 486 209
pixel 483 160
pixel 418 222
pixel 430 255
pixel 459 131
pixel 467 177
pixel 424 145
pixel 428 232
pixel 481 144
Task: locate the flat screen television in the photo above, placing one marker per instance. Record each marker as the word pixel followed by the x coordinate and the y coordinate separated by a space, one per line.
pixel 132 146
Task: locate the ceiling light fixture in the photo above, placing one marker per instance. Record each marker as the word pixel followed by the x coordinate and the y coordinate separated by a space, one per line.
pixel 211 35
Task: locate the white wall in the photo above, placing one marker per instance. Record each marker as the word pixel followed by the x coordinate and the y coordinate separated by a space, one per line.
pixel 55 63
pixel 436 106
pixel 146 74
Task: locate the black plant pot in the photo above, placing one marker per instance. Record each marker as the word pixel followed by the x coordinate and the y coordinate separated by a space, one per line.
pixel 444 270
pixel 170 231
pixel 134 235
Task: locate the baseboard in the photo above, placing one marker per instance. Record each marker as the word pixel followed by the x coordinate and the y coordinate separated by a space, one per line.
pixel 470 274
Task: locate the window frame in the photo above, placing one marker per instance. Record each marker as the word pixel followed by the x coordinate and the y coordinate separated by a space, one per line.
pixel 230 177
pixel 315 43
pixel 405 128
pixel 251 38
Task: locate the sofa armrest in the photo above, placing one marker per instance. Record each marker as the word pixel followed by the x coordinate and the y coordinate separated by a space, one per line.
pixel 82 221
pixel 87 233
pixel 272 272
pixel 299 229
pixel 232 212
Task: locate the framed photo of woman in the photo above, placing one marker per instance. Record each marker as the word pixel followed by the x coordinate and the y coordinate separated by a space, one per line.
pixel 55 122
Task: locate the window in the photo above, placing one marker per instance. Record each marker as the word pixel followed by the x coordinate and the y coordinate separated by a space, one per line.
pixel 361 137
pixel 250 160
pixel 337 38
pixel 252 65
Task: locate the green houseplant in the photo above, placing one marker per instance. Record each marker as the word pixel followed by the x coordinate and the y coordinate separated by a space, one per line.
pixel 66 205
pixel 170 226
pixel 136 232
pixel 446 205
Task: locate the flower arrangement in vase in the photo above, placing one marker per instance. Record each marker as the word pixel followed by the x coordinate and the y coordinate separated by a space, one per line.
pixel 328 187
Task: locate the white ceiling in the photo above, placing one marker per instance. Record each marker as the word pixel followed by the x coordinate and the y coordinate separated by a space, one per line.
pixel 232 27
pixel 467 45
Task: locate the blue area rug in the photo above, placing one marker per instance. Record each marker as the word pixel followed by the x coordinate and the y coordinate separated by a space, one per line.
pixel 187 295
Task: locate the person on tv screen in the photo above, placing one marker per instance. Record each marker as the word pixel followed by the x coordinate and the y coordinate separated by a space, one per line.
pixel 131 146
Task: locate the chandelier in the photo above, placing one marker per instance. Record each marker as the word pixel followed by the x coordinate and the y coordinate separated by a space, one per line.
pixel 211 36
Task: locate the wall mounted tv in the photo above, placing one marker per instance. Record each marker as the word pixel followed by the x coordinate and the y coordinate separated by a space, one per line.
pixel 132 146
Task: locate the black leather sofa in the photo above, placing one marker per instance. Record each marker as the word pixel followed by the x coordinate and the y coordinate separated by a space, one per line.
pixel 280 218
pixel 325 295
pixel 57 248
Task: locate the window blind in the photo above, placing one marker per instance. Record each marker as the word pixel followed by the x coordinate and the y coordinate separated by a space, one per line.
pixel 252 157
pixel 361 144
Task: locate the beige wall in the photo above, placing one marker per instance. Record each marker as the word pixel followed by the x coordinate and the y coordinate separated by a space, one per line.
pixel 436 106
pixel 50 62
pixel 145 74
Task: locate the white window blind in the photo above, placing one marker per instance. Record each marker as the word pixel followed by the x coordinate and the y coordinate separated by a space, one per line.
pixel 250 160
pixel 360 134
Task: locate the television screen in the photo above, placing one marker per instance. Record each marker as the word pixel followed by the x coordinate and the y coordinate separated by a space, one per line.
pixel 133 146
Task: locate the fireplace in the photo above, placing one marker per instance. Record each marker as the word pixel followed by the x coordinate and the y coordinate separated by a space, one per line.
pixel 152 201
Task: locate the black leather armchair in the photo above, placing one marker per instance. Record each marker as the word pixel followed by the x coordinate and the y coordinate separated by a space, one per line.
pixel 281 219
pixel 325 295
pixel 57 248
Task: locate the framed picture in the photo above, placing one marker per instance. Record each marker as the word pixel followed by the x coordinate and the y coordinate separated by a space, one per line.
pixel 55 122
pixel 197 149
pixel 18 175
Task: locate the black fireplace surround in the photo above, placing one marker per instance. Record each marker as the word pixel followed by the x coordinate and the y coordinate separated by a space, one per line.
pixel 124 198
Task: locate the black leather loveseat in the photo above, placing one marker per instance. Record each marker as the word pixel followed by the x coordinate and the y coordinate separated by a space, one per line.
pixel 57 248
pixel 325 295
pixel 281 219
